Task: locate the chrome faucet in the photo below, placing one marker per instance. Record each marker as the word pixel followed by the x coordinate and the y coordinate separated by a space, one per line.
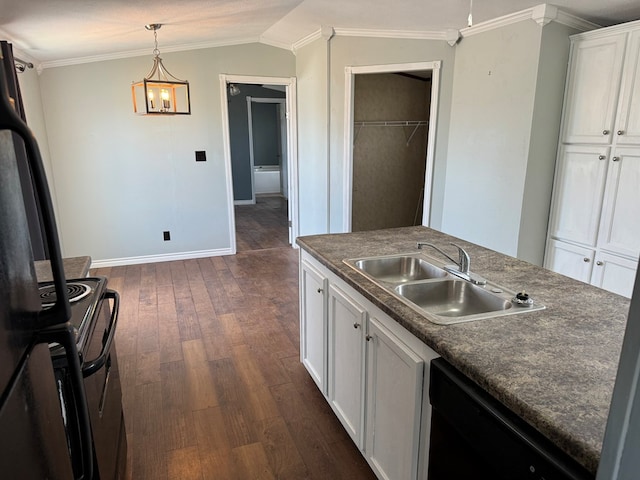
pixel 461 267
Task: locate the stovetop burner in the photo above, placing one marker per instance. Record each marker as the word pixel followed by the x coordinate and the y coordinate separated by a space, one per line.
pixel 75 290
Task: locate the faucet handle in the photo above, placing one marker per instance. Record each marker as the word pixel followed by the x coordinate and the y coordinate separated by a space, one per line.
pixel 465 261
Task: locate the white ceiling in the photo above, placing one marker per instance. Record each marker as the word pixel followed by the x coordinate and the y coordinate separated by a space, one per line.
pixel 53 31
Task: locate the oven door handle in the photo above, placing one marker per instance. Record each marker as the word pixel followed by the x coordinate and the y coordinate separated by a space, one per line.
pixel 91 367
pixel 65 335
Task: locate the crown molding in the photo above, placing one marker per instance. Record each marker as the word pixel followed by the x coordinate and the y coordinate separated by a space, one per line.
pixel 275 43
pixel 402 34
pixel 312 37
pixel 541 14
pixel 142 52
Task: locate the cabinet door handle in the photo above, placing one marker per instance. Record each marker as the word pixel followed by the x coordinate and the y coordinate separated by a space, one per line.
pixel 320 290
pixel 599 263
pixel 601 157
pixel 620 132
pixel 616 159
pixel 368 338
pixel 356 325
pixel 605 132
pixel 586 259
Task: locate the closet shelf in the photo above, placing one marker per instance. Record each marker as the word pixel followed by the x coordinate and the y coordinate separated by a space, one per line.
pixel 391 123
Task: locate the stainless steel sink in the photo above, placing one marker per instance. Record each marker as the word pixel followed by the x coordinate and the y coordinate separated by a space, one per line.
pixel 399 268
pixel 421 282
pixel 453 298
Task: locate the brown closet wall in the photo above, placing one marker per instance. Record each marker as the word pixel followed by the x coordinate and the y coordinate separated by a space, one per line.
pixel 388 174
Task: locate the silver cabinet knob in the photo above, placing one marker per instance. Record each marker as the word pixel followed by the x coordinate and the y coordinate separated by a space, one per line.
pixel 356 325
pixel 319 290
pixel 599 263
pixel 620 132
pixel 586 259
pixel 616 159
pixel 605 132
pixel 368 338
pixel 601 157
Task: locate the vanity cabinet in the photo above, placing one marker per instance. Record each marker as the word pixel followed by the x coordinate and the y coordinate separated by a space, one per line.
pixel 594 235
pixel 376 376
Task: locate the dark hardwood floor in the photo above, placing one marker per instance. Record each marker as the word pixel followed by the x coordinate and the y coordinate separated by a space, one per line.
pixel 213 387
pixel 263 225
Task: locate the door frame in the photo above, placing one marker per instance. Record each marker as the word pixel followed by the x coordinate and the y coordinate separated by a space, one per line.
pixel 292 147
pixel 250 101
pixel 350 73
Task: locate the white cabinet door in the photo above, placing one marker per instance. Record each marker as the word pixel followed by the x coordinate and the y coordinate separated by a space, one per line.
pixel 313 325
pixel 347 322
pixel 628 123
pixel 578 193
pixel 620 226
pixel 570 260
pixel 615 274
pixel 394 397
pixel 592 89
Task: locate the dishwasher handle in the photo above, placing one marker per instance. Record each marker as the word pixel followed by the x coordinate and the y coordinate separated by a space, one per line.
pixel 92 366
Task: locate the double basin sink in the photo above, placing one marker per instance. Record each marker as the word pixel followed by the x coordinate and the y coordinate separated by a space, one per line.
pixel 422 283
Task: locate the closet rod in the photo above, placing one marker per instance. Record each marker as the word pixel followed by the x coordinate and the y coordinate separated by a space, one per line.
pixel 391 123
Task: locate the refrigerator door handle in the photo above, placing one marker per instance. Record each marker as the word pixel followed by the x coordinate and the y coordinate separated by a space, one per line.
pixel 65 335
pixel 10 120
pixel 91 367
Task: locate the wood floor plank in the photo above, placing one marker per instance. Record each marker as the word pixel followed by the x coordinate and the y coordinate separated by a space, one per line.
pixel 251 462
pixel 212 383
pixel 184 464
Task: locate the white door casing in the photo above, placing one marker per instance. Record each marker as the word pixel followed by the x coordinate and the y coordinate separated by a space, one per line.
pixel 350 73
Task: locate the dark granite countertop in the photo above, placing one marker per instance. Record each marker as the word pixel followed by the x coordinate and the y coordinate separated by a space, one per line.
pixel 74 267
pixel 555 368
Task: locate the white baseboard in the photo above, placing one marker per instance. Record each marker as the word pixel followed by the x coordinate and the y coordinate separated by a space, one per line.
pixel 165 257
pixel 244 202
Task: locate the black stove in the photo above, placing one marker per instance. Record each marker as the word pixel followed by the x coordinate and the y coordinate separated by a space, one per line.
pixel 85 296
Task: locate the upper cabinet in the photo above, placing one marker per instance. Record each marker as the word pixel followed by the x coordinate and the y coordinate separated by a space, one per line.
pixel 594 227
pixel 628 121
pixel 592 89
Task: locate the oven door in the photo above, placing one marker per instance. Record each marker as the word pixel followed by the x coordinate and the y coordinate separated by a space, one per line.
pixel 103 391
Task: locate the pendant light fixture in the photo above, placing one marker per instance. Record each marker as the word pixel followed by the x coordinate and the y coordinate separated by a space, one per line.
pixel 160 93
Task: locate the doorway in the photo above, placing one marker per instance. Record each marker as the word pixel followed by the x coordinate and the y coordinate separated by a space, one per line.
pixel 390 119
pixel 285 172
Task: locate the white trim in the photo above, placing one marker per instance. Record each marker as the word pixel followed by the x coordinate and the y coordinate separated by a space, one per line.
pixel 606 31
pixel 147 51
pixel 276 43
pixel 244 202
pixel 312 37
pixel 291 102
pixel 251 161
pixel 542 14
pixel 404 34
pixel 226 147
pixel 350 72
pixel 163 257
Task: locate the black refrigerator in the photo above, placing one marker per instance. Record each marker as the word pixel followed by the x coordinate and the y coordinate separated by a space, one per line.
pixel 33 442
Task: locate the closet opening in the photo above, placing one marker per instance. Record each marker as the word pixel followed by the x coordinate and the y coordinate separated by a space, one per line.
pixel 389 156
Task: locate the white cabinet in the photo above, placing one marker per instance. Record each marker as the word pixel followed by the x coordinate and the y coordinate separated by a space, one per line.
pixel 394 402
pixel 347 326
pixel 592 89
pixel 313 324
pixel 594 227
pixel 571 260
pixel 579 186
pixel 620 227
pixel 628 122
pixel 376 378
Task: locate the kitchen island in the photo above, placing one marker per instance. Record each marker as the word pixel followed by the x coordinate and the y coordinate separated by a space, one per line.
pixel 555 368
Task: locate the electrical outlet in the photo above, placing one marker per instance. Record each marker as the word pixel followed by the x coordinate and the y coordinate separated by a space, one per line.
pixel 201 156
pixel 167 236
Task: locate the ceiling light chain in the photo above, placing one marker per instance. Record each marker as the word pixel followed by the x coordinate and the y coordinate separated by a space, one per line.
pixel 470 18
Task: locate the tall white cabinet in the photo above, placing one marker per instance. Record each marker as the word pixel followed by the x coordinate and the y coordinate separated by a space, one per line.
pixel 594 228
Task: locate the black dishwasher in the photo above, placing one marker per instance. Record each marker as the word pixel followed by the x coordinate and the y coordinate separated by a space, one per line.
pixel 473 436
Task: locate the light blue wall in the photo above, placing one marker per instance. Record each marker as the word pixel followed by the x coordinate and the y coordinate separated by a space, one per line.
pixel 122 179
